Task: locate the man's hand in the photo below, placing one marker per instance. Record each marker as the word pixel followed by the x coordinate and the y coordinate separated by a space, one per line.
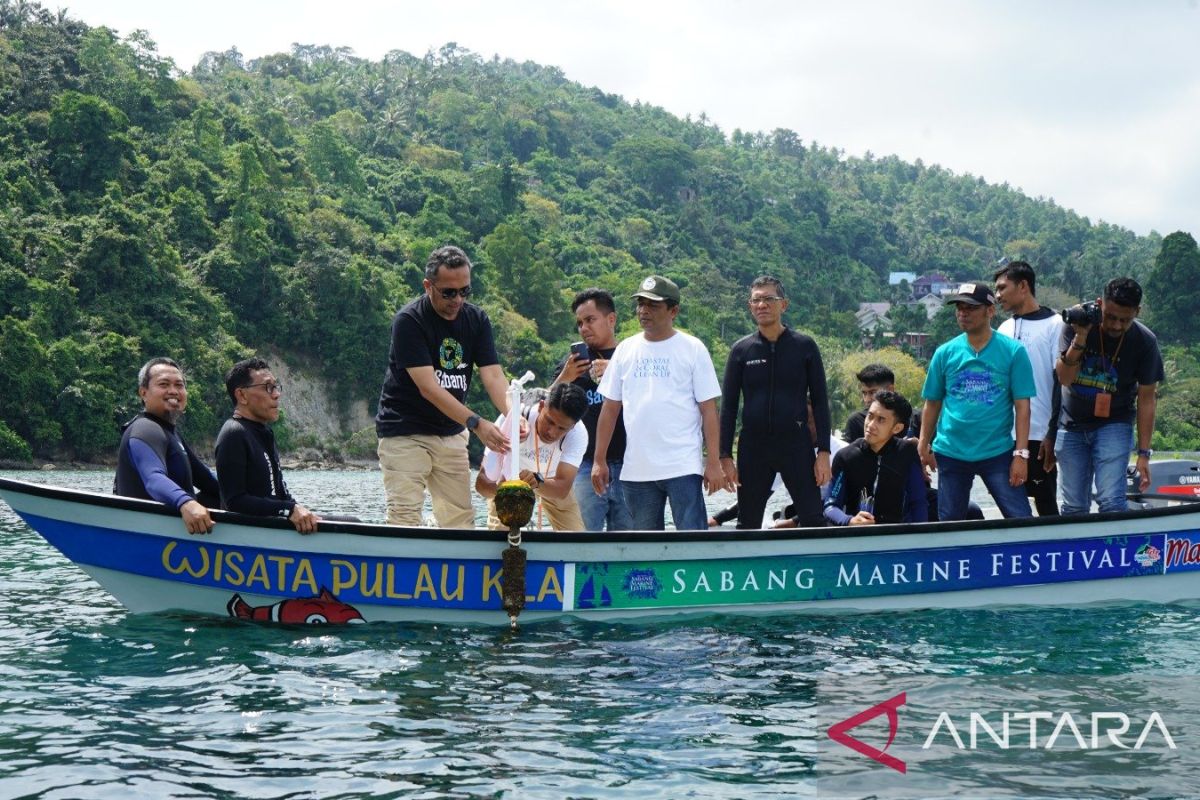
pixel 492 437
pixel 523 428
pixel 600 477
pixel 821 470
pixel 714 477
pixel 527 476
pixel 863 518
pixel 928 459
pixel 785 522
pixel 597 368
pixel 572 369
pixel 1143 468
pixel 196 517
pixel 1018 471
pixel 304 520
pixel 1045 455
pixel 729 467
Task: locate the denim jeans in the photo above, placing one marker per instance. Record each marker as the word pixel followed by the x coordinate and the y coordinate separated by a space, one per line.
pixel 1097 456
pixel 608 508
pixel 954 486
pixel 647 502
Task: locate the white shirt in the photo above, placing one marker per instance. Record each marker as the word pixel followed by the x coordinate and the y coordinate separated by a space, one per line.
pixel 1040 338
pixel 545 458
pixel 660 386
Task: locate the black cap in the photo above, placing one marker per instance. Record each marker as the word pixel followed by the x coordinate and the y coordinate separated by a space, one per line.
pixel 976 294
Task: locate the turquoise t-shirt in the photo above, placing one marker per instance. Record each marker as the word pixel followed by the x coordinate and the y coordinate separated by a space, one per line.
pixel 977 391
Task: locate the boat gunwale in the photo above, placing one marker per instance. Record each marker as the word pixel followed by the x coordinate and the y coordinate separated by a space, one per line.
pixel 381 530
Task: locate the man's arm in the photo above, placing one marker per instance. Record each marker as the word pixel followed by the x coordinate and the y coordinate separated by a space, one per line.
pixel 1068 364
pixel 731 393
pixel 1018 470
pixel 1147 405
pixel 916 500
pixel 559 486
pixel 714 476
pixel 233 464
pixel 159 485
pixel 427 383
pixel 605 426
pixel 929 419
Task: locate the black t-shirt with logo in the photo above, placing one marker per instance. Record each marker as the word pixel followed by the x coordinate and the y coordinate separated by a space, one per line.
pixel 421 338
pixel 1138 362
pixel 616 445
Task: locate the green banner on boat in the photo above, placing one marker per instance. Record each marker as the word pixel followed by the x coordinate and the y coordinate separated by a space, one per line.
pixel 787 579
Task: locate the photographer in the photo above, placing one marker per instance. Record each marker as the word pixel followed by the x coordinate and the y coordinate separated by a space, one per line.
pixel 1109 366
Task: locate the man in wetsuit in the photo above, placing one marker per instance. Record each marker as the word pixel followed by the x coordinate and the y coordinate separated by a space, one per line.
pixel 777 370
pixel 153 462
pixel 247 460
pixel 596 318
pixel 878 478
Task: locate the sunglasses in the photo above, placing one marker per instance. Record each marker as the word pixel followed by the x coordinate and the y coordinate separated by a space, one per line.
pixel 450 294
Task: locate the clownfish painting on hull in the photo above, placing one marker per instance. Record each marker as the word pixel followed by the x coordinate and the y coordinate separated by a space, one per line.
pixel 323 609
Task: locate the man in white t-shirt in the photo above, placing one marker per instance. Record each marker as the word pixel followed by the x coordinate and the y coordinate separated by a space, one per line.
pixel 664 381
pixel 550 457
pixel 1039 329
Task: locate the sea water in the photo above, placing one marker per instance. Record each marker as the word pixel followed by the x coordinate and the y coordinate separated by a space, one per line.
pixel 98 703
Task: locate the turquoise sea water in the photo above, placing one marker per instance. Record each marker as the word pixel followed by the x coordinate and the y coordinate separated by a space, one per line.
pixel 95 702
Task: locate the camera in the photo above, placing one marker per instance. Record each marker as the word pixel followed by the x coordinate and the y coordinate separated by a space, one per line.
pixel 1082 314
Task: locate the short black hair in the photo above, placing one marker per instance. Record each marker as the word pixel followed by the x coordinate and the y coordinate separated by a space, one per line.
pixel 768 280
pixel 601 297
pixel 896 403
pixel 148 367
pixel 1124 292
pixel 239 376
pixel 569 399
pixel 448 256
pixel 876 375
pixel 1018 271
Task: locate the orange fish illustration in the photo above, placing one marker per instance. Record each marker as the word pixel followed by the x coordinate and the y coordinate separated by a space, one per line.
pixel 323 609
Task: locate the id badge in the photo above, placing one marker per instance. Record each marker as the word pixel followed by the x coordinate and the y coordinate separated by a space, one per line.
pixel 1103 404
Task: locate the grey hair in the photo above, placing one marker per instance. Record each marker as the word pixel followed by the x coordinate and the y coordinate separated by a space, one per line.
pixel 148 367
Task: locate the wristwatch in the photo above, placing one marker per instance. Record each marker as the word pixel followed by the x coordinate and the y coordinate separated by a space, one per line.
pixel 1022 452
pixel 472 422
pixel 1147 453
pixel 537 476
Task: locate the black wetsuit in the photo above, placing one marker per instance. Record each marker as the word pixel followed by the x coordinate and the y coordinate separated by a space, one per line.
pixel 776 379
pixel 248 470
pixel 154 463
pixel 892 478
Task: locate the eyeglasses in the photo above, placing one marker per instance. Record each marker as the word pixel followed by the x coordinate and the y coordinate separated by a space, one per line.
pixel 762 301
pixel 271 387
pixel 450 294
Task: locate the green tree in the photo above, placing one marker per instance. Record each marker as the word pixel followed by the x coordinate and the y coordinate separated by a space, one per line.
pixel 1173 289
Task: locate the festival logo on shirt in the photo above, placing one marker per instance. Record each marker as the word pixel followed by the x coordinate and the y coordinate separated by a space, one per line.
pixel 975 386
pixel 1096 375
pixel 450 354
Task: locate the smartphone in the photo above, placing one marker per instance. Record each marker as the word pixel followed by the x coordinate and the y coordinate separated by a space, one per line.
pixel 580 349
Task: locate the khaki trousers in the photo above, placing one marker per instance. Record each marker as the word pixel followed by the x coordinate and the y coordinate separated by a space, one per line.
pixel 413 464
pixel 564 514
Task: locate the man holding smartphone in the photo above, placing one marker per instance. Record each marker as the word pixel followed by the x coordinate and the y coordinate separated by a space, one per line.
pixel 596 319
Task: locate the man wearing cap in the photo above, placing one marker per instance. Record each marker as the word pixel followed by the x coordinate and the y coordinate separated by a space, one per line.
pixel 665 382
pixel 977 383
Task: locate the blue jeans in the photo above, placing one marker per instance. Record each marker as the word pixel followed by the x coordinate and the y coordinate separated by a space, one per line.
pixel 599 509
pixel 954 486
pixel 1100 456
pixel 647 502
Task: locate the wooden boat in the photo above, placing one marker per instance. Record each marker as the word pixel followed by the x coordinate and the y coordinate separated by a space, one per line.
pixel 262 569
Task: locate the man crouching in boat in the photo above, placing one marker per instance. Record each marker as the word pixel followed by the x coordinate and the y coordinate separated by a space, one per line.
pixel 247 459
pixel 153 462
pixel 550 457
pixel 878 478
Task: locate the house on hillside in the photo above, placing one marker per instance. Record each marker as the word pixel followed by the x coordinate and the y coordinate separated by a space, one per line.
pixel 932 303
pixel 873 316
pixel 934 283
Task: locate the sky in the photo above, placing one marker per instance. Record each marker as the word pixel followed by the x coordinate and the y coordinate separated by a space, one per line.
pixel 1094 103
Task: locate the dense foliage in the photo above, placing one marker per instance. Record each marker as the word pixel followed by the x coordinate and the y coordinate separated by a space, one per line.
pixel 289 203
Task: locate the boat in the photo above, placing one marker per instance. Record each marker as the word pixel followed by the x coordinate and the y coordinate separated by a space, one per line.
pixel 262 569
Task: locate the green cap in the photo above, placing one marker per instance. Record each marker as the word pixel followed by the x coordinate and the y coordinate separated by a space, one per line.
pixel 656 287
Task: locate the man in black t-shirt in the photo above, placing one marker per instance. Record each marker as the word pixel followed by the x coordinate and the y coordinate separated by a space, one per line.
pixel 422 422
pixel 596 318
pixel 1109 373
pixel 248 469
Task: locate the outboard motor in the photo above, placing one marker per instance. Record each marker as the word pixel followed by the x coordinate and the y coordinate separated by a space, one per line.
pixel 1169 477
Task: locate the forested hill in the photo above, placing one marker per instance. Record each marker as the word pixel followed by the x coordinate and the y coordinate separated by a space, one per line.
pixel 288 203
